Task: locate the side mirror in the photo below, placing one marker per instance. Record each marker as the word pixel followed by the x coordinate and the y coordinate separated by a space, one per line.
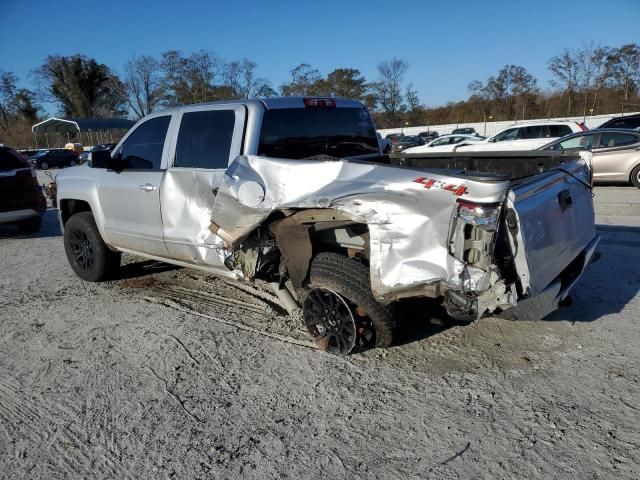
pixel 99 159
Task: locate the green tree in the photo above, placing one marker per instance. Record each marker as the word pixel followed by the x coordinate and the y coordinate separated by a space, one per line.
pixel 82 86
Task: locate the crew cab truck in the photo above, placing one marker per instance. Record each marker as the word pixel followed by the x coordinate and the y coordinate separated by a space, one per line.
pixel 296 192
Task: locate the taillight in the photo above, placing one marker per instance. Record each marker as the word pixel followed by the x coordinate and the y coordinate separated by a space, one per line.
pixel 319 102
pixel 474 227
pixel 582 126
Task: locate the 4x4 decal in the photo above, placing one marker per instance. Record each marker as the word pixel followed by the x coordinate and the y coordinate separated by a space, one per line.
pixel 457 190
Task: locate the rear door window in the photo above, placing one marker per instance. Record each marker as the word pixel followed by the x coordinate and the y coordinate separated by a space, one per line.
pixel 204 140
pixel 526 133
pixel 559 131
pixel 616 139
pixel 143 147
pixel 300 133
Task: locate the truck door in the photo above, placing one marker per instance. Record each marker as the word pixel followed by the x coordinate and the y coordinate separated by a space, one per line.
pixel 208 139
pixel 130 198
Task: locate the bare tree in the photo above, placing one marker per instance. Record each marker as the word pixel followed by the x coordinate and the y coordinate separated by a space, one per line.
pixel 566 67
pixel 626 69
pixel 389 86
pixel 240 76
pixel 143 84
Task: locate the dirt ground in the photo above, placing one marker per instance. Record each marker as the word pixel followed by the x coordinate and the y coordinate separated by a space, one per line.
pixel 170 373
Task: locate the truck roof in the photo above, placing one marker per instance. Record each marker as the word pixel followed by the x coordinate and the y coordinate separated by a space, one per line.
pixel 273 103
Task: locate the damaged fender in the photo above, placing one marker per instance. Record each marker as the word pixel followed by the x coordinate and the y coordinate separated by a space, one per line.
pixel 408 217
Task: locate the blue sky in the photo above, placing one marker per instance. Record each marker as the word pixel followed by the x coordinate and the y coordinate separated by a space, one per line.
pixel 447 44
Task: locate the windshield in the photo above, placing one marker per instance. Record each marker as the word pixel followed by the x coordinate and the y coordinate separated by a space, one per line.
pixel 41 154
pixel 299 133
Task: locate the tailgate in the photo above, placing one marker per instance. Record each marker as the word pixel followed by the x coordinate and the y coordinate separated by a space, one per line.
pixel 550 219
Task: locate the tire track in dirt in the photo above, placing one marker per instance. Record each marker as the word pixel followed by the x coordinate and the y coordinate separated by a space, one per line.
pixel 53 427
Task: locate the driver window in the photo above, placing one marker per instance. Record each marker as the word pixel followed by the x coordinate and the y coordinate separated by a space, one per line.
pixel 143 148
pixel 582 142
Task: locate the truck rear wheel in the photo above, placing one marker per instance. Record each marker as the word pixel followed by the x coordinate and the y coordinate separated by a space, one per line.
pixel 87 253
pixel 339 309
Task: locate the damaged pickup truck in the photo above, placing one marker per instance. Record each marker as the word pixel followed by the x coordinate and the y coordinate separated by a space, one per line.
pixel 295 191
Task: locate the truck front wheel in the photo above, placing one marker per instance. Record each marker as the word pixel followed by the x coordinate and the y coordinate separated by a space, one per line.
pixel 339 309
pixel 87 253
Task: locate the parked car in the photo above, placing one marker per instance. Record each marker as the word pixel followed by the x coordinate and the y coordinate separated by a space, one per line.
pixel 628 121
pixel 55 158
pixel 22 202
pixel 526 136
pixel 445 143
pixel 296 191
pixel 616 153
pixel 464 131
pixel 84 156
pixel 429 136
pixel 407 141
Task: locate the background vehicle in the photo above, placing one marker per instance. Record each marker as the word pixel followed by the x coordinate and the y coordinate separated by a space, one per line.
pixel 21 200
pixel 628 121
pixel 464 131
pixel 84 156
pixel 526 136
pixel 616 153
pixel 407 142
pixel 429 136
pixel 296 190
pixel 55 158
pixel 445 143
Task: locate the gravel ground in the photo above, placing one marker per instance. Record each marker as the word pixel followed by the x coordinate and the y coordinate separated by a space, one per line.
pixel 169 373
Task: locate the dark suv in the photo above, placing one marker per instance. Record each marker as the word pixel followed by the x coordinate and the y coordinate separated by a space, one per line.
pixel 22 202
pixel 55 158
pixel 630 121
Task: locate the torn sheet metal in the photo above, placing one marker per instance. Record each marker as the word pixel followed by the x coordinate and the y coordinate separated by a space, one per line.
pixel 408 224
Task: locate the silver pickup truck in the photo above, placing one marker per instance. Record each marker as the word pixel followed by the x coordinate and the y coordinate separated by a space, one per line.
pixel 295 191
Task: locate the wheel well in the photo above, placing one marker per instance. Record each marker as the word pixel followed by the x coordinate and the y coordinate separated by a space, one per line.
pixel 69 207
pixel 305 234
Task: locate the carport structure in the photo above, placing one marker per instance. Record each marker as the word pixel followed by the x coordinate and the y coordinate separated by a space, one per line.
pixel 59 131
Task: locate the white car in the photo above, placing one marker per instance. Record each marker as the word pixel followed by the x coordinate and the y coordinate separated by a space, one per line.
pixel 445 143
pixel 526 136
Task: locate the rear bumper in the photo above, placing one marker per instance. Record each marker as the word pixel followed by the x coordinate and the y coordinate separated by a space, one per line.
pixel 541 305
pixel 17 215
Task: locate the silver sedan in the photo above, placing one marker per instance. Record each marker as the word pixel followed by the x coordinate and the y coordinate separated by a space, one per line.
pixel 616 153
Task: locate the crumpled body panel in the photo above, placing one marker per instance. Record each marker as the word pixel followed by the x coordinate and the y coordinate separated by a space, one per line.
pixel 408 218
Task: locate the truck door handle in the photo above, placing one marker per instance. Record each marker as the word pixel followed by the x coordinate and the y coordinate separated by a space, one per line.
pixel 147 187
pixel 565 200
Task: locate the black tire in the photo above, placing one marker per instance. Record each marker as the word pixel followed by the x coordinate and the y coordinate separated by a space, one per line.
pixel 44 165
pixel 72 163
pixel 635 176
pixel 87 253
pixel 349 278
pixel 31 225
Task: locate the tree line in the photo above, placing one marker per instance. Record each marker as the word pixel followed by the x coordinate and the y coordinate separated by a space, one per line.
pixel 588 80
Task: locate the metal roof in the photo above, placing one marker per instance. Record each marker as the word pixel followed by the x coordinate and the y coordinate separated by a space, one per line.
pixel 73 125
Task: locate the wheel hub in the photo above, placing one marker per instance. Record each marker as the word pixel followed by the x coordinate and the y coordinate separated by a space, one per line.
pixel 330 321
pixel 82 250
